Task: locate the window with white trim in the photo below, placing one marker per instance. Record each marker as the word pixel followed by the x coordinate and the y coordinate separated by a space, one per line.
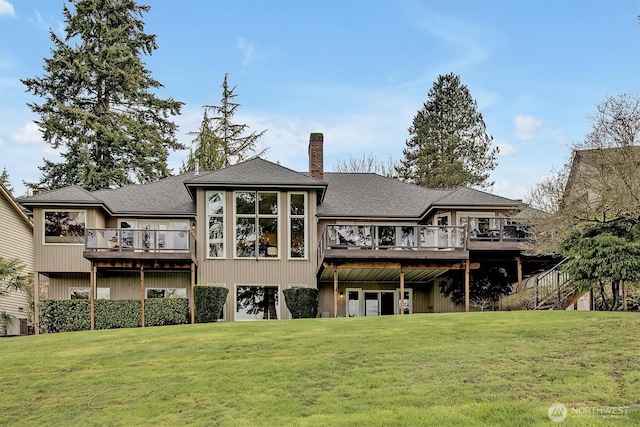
pixel 64 227
pixel 298 225
pixel 256 224
pixel 215 221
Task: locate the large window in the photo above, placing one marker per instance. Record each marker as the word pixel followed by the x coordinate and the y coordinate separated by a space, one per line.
pixel 256 224
pixel 215 215
pixel 64 227
pixel 297 225
pixel 257 302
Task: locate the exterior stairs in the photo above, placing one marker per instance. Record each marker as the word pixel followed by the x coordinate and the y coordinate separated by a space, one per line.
pixel 551 290
pixel 554 290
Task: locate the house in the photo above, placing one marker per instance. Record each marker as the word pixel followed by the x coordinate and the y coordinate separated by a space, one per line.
pixel 16 243
pixel 371 245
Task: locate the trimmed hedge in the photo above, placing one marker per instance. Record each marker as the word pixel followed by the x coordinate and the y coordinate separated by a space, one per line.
pixel 208 301
pixel 302 302
pixel 75 315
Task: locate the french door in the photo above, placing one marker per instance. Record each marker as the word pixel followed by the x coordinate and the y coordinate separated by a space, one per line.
pixel 377 302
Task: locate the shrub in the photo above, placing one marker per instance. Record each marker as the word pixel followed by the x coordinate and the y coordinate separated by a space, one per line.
pixel 165 311
pixel 209 301
pixel 302 302
pixel 75 315
pixel 115 314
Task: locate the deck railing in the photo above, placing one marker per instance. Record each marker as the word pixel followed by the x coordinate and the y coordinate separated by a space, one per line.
pixel 391 237
pixel 130 240
pixel 496 229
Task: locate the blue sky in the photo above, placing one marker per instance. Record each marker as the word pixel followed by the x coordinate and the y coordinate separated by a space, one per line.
pixel 358 71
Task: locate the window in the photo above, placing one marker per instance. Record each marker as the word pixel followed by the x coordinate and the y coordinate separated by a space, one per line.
pixel 297 225
pixel 166 293
pixel 215 215
pixel 257 302
pixel 256 224
pixel 65 227
pixel 83 293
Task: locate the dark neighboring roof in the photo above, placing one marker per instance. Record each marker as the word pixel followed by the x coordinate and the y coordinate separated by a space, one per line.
pixel 465 196
pixel 256 173
pixel 367 195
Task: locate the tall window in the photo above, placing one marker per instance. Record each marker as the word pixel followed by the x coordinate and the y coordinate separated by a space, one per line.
pixel 215 214
pixel 256 224
pixel 64 227
pixel 297 225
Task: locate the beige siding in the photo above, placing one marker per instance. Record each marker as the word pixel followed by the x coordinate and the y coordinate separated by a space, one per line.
pixel 16 242
pixel 231 272
pixel 122 284
pixel 62 258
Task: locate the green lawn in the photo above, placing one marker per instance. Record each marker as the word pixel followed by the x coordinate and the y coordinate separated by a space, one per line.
pixel 492 368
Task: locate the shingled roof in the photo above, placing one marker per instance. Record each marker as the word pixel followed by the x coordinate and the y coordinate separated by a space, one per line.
pixel 368 195
pixel 69 195
pixel 465 196
pixel 342 195
pixel 167 197
pixel 256 173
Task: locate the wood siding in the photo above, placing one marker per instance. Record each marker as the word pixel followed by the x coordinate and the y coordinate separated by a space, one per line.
pixel 52 258
pixel 122 284
pixel 263 271
pixel 16 242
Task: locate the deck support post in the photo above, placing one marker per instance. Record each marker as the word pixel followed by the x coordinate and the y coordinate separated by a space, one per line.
pixel 142 294
pixel 466 286
pixel 624 297
pixel 92 295
pixel 335 290
pixel 401 291
pixel 519 269
pixel 192 297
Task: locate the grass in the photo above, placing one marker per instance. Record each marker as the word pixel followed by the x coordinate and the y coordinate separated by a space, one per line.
pixel 492 368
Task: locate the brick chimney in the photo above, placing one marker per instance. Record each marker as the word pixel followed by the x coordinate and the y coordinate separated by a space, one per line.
pixel 316 156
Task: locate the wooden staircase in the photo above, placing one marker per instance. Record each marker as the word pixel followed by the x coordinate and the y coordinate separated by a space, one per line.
pixel 554 290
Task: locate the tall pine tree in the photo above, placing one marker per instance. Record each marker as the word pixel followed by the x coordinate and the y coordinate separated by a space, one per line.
pixel 448 145
pixel 99 108
pixel 219 142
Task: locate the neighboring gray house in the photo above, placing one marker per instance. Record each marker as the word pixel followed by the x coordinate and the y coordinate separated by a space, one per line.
pixel 371 245
pixel 16 243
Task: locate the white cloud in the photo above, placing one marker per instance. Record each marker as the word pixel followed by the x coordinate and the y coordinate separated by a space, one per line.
pixel 248 51
pixel 6 8
pixel 506 149
pixel 527 127
pixel 30 132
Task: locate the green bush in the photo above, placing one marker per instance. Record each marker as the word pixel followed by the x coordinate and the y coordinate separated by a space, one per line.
pixel 165 311
pixel 75 315
pixel 302 302
pixel 208 301
pixel 64 315
pixel 115 314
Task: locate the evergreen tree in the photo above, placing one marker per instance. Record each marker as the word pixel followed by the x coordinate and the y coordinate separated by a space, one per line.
pixel 220 142
pixel 448 145
pixel 4 180
pixel 99 108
